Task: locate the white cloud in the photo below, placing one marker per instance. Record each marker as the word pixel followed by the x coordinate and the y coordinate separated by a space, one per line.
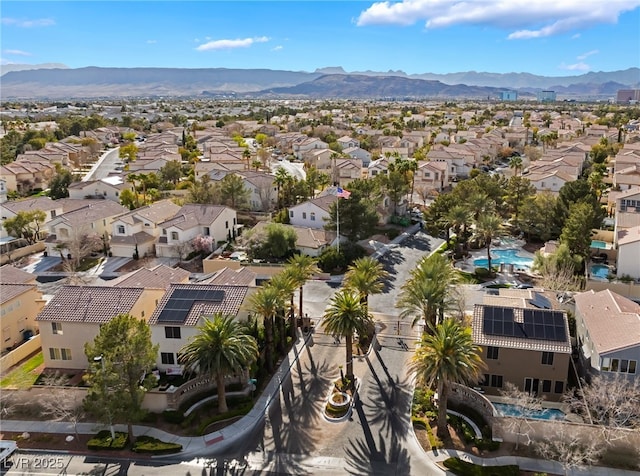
pixel 587 54
pixel 231 44
pixel 527 19
pixel 277 48
pixel 576 36
pixel 151 42
pixel 16 52
pixel 28 23
pixel 576 66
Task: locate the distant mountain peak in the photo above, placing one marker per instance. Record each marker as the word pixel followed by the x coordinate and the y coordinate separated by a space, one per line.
pixel 331 70
pixel 7 68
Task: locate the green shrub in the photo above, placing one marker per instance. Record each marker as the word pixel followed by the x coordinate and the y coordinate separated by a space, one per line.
pixel 173 416
pixel 103 441
pixel 482 273
pixel 423 424
pixel 239 411
pixel 462 468
pixel 148 444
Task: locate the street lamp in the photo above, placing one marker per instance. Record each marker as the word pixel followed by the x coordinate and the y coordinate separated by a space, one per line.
pixel 100 358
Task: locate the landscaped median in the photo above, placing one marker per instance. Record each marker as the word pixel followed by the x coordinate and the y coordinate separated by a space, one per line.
pixel 341 399
pixel 143 444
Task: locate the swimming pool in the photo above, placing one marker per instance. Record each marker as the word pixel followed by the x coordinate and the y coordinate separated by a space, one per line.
pixel 599 271
pixel 498 257
pixel 511 410
pixel 602 245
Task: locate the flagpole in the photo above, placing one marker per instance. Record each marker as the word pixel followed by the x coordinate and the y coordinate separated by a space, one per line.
pixel 338 223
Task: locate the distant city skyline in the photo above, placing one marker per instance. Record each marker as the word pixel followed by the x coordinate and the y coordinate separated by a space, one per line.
pixel 542 37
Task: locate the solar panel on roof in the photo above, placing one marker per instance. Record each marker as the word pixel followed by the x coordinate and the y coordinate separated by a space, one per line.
pixel 537 324
pixel 181 301
pixel 540 301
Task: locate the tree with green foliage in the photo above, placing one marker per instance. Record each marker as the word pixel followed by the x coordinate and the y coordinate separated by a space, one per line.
pixel 171 171
pixel 578 230
pixel 221 347
pixel 120 361
pixel 365 276
pixel 233 193
pixel 266 302
pixel 487 228
pixel 59 183
pixel 397 181
pixel 515 163
pixel 447 355
pixel 25 224
pixel 273 241
pixel 538 219
pixel 346 315
pixel 426 294
pixel 557 271
pixel 203 191
pixel 519 190
pixel 128 152
pixel 578 191
pixel 301 268
pixel 358 217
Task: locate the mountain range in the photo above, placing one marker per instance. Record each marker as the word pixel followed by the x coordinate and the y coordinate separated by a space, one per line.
pixel 54 81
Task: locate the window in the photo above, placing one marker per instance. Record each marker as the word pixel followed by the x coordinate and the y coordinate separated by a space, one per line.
pixel 56 328
pixel 615 365
pixel 226 224
pixel 546 386
pixel 291 213
pixel 167 358
pixel 496 381
pixel 313 216
pixel 427 174
pixel 304 215
pixel 632 366
pixel 605 364
pixel 547 358
pixel 207 231
pixel 559 387
pixel 59 354
pixel 7 334
pixel 492 353
pixel 53 213
pixel 121 229
pixel 171 332
pixel 174 235
pixel 22 324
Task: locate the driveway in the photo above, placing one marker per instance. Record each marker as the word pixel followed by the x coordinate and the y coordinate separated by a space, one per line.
pixel 41 263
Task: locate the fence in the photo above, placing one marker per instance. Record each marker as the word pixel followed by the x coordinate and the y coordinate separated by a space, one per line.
pixel 21 252
pixel 20 353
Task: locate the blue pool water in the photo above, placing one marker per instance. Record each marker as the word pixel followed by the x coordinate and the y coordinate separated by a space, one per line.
pixel 598 244
pixel 599 271
pixel 508 409
pixel 503 256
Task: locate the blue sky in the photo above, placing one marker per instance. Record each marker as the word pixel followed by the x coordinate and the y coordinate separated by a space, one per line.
pixel 552 38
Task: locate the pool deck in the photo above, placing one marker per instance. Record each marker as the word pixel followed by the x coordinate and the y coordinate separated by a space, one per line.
pixel 468 266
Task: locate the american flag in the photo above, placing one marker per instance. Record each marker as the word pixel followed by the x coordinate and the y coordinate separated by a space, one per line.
pixel 342 193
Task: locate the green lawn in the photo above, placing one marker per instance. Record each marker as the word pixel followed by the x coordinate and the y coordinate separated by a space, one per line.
pixel 24 375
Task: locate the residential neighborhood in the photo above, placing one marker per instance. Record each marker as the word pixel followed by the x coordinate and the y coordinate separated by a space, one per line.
pixel 170 232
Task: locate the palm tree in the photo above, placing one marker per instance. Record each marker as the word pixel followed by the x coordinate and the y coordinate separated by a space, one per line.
pixel 265 303
pixel 447 355
pixel 285 284
pixel 515 163
pixel 488 227
pixel 365 276
pixel 222 346
pixel 281 179
pixel 425 295
pixel 301 268
pixel 458 218
pixel 346 315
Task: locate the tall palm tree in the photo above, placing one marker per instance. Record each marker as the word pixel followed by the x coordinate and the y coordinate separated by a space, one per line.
pixel 425 295
pixel 365 276
pixel 459 218
pixel 281 178
pixel 301 269
pixel 221 347
pixel 285 284
pixel 265 303
pixel 447 355
pixel 346 315
pixel 487 228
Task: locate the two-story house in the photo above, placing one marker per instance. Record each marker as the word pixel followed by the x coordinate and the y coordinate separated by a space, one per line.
pixel 313 213
pixel 529 347
pixel 74 316
pixel 20 303
pixel 108 188
pixel 608 333
pixel 183 308
pixel 137 231
pixel 218 222
pixel 432 175
pixel 92 220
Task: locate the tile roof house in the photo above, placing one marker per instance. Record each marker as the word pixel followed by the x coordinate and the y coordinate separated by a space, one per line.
pixel 432 175
pixel 628 259
pixel 183 308
pixel 529 347
pixel 93 219
pixel 232 277
pixel 12 275
pixel 75 313
pixel 158 277
pixel 20 303
pixel 138 230
pixel 309 241
pixel 627 211
pixel 192 220
pixel 313 213
pixel 108 188
pixel 608 333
